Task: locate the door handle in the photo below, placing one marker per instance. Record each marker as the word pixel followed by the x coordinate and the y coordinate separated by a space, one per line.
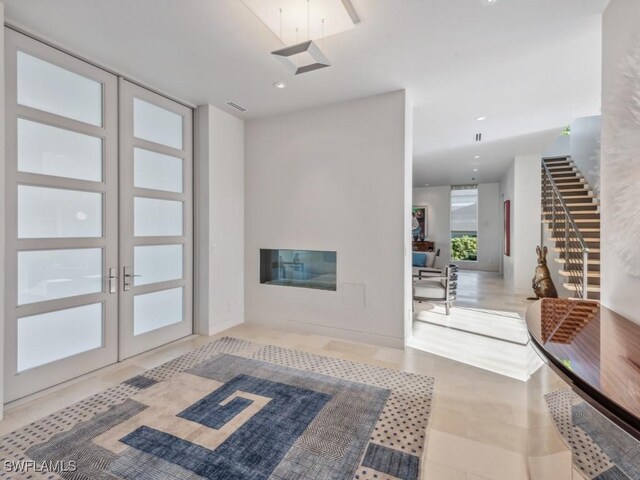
pixel 128 275
pixel 113 280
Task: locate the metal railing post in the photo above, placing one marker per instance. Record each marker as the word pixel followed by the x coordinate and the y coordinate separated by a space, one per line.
pixel 543 214
pixel 553 215
pixel 585 273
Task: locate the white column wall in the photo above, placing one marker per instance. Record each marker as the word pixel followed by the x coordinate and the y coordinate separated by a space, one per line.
pixel 406 212
pixel 521 184
pixel 507 193
pixel 2 207
pixel 489 227
pixel 220 220
pixel 333 178
pixel 620 166
pixel 526 219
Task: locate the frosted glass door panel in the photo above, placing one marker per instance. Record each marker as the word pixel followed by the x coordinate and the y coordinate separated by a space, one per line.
pixel 156 240
pixel 152 311
pixel 156 124
pixel 156 171
pixel 58 213
pixel 49 274
pixel 55 151
pixel 47 87
pixel 157 218
pixel 157 263
pixel 53 336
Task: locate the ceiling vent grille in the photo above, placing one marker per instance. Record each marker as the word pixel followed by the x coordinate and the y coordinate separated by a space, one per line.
pixel 478 137
pixel 236 106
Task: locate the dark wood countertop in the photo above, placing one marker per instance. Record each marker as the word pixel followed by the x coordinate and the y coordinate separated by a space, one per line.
pixel 596 349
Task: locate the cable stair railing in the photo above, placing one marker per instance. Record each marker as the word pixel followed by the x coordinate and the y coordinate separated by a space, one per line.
pixel 572 248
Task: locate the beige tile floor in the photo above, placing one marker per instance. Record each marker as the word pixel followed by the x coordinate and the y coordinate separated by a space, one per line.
pixel 486 327
pixel 480 424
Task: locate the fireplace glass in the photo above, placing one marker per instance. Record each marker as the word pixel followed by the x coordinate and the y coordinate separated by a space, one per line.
pixel 298 268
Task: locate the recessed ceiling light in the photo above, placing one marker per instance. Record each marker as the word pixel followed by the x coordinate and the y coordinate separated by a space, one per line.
pixel 280 85
pixel 475 169
pixel 427 184
pixel 477 156
pixel 481 118
pixel 488 2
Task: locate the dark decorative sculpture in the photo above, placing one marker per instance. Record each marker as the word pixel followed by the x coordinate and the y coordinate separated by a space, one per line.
pixel 543 285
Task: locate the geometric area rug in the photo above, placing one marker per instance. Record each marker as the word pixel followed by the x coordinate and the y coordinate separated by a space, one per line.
pixel 600 449
pixel 235 409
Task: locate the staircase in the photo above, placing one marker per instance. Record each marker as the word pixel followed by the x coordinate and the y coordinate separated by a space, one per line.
pixel 562 321
pixel 571 214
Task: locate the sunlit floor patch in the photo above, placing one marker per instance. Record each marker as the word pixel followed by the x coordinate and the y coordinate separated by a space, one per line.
pixel 486 328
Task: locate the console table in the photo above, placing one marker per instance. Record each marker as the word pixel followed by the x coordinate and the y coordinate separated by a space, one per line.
pixel 595 350
pixel 424 246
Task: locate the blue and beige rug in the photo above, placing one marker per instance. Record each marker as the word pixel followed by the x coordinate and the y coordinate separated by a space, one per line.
pixel 235 409
pixel 600 449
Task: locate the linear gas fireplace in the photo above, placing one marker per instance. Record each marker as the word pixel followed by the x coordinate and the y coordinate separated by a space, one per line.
pixel 298 268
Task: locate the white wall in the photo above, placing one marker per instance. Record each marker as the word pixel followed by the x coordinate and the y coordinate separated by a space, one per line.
pixel 489 227
pixel 438 203
pixel 2 206
pixel 220 220
pixel 408 202
pixel 507 193
pixel 561 147
pixel 521 185
pixel 332 178
pixel 620 167
pixel 585 148
pixel 583 145
pixel 526 219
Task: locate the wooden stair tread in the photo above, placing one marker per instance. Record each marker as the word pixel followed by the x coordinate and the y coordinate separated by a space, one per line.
pixel 576 250
pixel 566 273
pixel 562 169
pixel 591 261
pixel 575 239
pixel 581 219
pixel 578 220
pixel 574 288
pixel 566 176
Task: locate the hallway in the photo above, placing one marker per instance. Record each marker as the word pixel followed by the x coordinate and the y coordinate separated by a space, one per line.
pixel 486 327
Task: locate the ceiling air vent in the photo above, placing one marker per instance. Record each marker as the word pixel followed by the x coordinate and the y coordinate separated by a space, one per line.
pixel 478 137
pixel 236 106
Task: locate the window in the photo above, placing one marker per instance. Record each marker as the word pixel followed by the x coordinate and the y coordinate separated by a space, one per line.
pixel 464 223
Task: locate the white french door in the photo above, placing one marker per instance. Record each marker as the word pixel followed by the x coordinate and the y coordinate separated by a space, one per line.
pixel 84 217
pixel 156 220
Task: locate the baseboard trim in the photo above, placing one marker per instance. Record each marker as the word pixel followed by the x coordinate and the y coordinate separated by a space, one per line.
pixel 336 332
pixel 221 327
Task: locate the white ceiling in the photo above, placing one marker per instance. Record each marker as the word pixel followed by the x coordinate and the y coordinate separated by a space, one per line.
pixel 529 66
